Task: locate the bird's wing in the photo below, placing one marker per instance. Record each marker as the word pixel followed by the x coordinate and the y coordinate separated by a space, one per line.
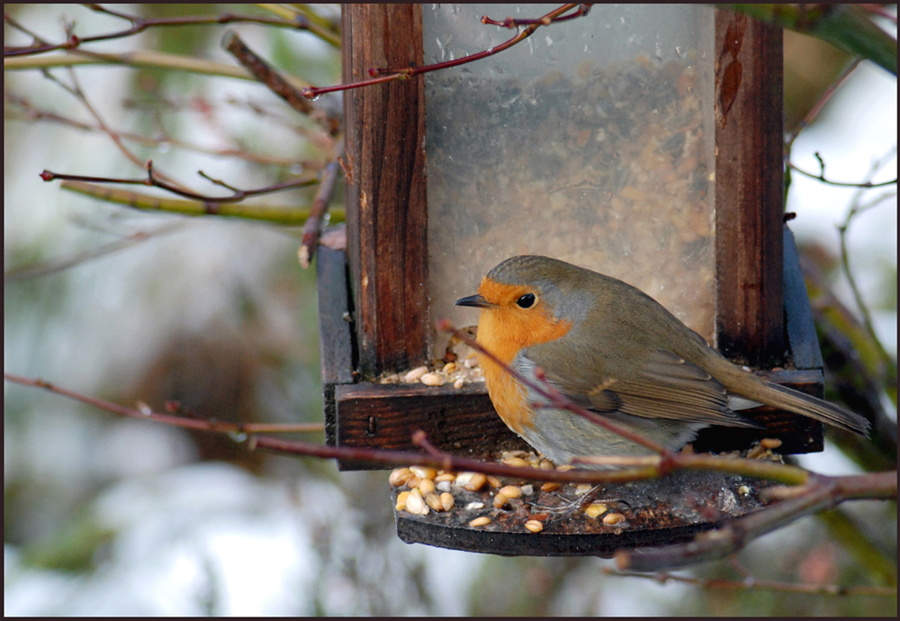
pixel 665 387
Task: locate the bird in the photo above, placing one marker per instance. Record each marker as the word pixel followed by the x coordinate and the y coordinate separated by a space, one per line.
pixel 611 348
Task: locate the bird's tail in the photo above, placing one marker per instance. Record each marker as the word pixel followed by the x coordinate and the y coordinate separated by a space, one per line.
pixel 791 400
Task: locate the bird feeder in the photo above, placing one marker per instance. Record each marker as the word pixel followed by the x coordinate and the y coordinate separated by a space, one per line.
pixel 640 141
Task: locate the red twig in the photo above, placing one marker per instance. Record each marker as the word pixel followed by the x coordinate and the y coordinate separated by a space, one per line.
pixel 139 24
pixel 820 493
pixel 312 230
pixel 752 584
pixel 404 73
pixel 817 108
pixel 152 180
pixel 33 114
pixel 381 456
pixel 557 399
pixel 848 184
pixel 278 85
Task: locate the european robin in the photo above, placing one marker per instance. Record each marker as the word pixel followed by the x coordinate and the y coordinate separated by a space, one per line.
pixel 609 347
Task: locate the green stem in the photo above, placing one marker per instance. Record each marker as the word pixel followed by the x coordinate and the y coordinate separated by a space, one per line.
pixel 144 59
pixel 291 216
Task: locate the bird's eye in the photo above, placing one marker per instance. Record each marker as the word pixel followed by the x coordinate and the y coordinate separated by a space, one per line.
pixel 526 301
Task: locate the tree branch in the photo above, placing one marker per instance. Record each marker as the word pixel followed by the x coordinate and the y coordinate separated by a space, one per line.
pixel 380 76
pixel 275 214
pixel 212 203
pixel 752 584
pixel 820 493
pixel 139 24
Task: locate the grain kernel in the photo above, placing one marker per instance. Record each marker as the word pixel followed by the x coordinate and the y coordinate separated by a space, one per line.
pixel 415 503
pixel 516 461
pixel 494 482
pixel 459 383
pixel 423 472
pixel 447 476
pixel 770 443
pixel 583 488
pixel 413 482
pixel 399 476
pixel 432 379
pixel 476 482
pixel 511 491
pixel 415 374
pixel 449 368
pixel 447 501
pixel 500 501
pixel 426 486
pixel 534 526
pixel 401 501
pixel 480 521
pixel 463 478
pixel 434 501
pixel 550 486
pixel 755 452
pixel 613 518
pixel 546 464
pixel 595 510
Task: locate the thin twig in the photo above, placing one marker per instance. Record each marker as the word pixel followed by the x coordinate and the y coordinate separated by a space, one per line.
pixel 76 91
pixel 380 76
pixel 312 230
pixel 153 180
pixel 433 457
pixel 139 24
pixel 855 209
pixel 292 447
pixel 822 492
pixel 54 266
pixel 555 398
pixel 865 185
pixel 819 105
pixel 278 85
pixel 32 114
pixel 753 584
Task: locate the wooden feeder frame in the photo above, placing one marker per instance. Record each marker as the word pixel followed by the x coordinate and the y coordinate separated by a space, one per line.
pixel 371 307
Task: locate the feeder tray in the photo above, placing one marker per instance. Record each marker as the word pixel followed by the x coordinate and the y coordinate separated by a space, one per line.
pixel 657 512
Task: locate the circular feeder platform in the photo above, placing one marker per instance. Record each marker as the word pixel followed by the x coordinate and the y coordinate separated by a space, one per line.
pixel 657 512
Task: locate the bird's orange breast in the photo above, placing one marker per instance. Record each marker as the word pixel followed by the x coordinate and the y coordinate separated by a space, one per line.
pixel 505 330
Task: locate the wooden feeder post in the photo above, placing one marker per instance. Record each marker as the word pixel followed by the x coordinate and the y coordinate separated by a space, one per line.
pixel 374 303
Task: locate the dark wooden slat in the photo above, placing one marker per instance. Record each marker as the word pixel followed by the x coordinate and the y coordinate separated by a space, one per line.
pixel 798 434
pixel 463 421
pixel 749 189
pixel 386 211
pixel 799 324
pixel 384 416
pixel 335 338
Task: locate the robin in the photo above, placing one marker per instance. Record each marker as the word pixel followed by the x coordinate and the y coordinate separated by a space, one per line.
pixel 611 348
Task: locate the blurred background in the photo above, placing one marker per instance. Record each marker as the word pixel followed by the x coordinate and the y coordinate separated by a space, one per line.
pixel 111 516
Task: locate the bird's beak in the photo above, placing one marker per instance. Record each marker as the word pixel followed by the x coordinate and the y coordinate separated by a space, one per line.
pixel 474 300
